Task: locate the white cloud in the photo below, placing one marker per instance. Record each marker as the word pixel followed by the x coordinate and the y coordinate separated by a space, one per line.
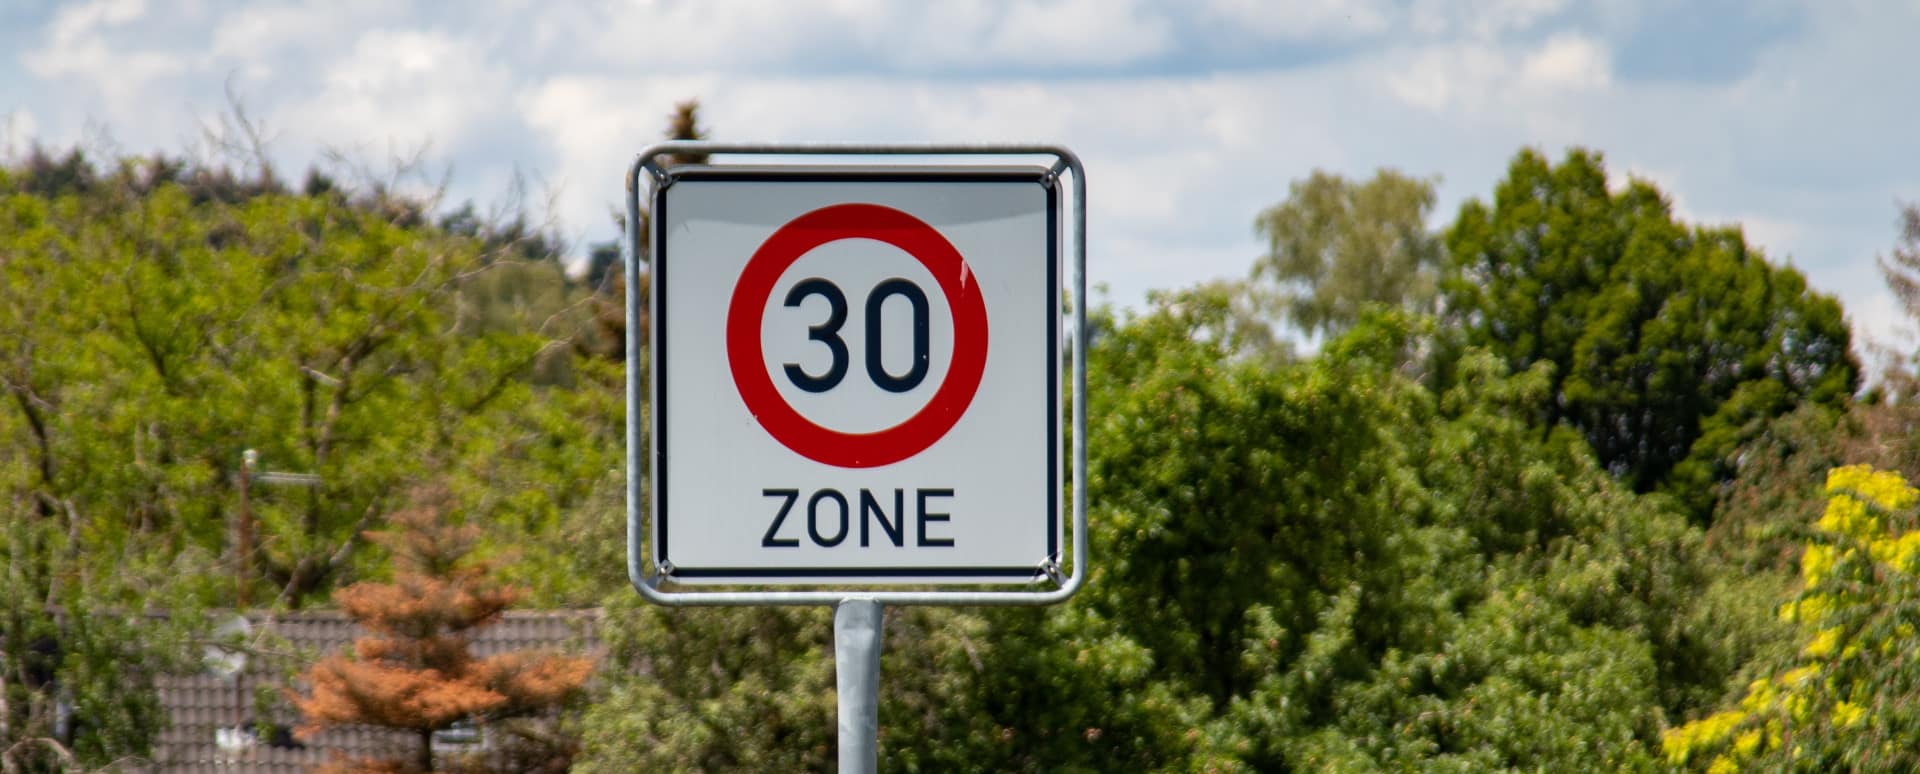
pixel 78 49
pixel 1076 32
pixel 592 127
pixel 698 35
pixel 256 34
pixel 1568 62
pixel 408 86
pixel 81 21
pixel 1177 166
pixel 1302 20
pixel 1803 148
pixel 1458 78
pixel 1529 87
pixel 853 35
pixel 1480 19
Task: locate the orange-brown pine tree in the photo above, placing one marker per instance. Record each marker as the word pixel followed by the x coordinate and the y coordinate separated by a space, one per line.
pixel 416 672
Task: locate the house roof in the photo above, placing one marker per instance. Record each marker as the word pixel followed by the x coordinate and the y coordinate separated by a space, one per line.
pixel 204 707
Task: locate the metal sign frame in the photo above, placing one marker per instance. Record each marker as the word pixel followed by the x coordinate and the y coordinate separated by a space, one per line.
pixel 649 581
pixel 843 214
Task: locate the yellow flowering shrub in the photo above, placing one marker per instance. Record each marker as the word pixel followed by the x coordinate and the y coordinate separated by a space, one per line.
pixel 1857 568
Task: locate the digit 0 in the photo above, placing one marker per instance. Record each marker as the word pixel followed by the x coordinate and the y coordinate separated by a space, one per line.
pixel 875 369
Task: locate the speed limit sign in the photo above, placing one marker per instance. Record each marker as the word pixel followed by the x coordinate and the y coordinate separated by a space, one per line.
pixel 856 374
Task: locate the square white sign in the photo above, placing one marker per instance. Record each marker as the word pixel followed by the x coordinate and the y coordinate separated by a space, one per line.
pixel 856 375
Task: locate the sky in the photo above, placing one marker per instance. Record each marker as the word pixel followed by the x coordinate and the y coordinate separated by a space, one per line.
pixel 1795 120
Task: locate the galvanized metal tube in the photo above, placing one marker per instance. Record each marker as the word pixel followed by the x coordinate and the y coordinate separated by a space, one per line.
pixel 856 664
pixel 636 569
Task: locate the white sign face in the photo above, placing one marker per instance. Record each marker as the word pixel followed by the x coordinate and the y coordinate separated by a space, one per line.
pixel 856 375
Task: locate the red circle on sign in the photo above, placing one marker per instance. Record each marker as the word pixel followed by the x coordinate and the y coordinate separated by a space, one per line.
pixel 746 357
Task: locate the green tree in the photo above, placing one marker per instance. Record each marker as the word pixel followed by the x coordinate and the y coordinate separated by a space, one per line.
pixel 1298 565
pixel 713 690
pixel 1778 469
pixel 1849 700
pixel 151 334
pixel 1336 245
pixel 79 651
pixel 1666 342
pixel 1202 473
pixel 1515 575
pixel 159 318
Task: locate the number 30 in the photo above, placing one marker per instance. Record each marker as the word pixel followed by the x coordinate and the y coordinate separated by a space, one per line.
pixel 828 333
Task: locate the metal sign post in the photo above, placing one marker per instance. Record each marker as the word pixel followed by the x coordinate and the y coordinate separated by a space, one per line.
pixel 854 382
pixel 856 671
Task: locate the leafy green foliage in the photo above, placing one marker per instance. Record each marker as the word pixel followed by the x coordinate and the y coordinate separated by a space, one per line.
pixel 1298 565
pixel 1516 578
pixel 159 319
pixel 1412 550
pixel 79 650
pixel 1336 245
pixel 1665 340
pixel 1201 514
pixel 714 690
pixel 152 337
pixel 1849 700
pixel 1778 487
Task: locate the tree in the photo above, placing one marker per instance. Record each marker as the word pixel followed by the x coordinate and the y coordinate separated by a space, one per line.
pixel 1780 465
pixel 708 689
pixel 684 124
pixel 1667 342
pixel 1299 565
pixel 415 672
pixel 1851 698
pixel 79 654
pixel 1335 246
pixel 1901 268
pixel 1439 571
pixel 155 323
pixel 605 274
pixel 158 318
